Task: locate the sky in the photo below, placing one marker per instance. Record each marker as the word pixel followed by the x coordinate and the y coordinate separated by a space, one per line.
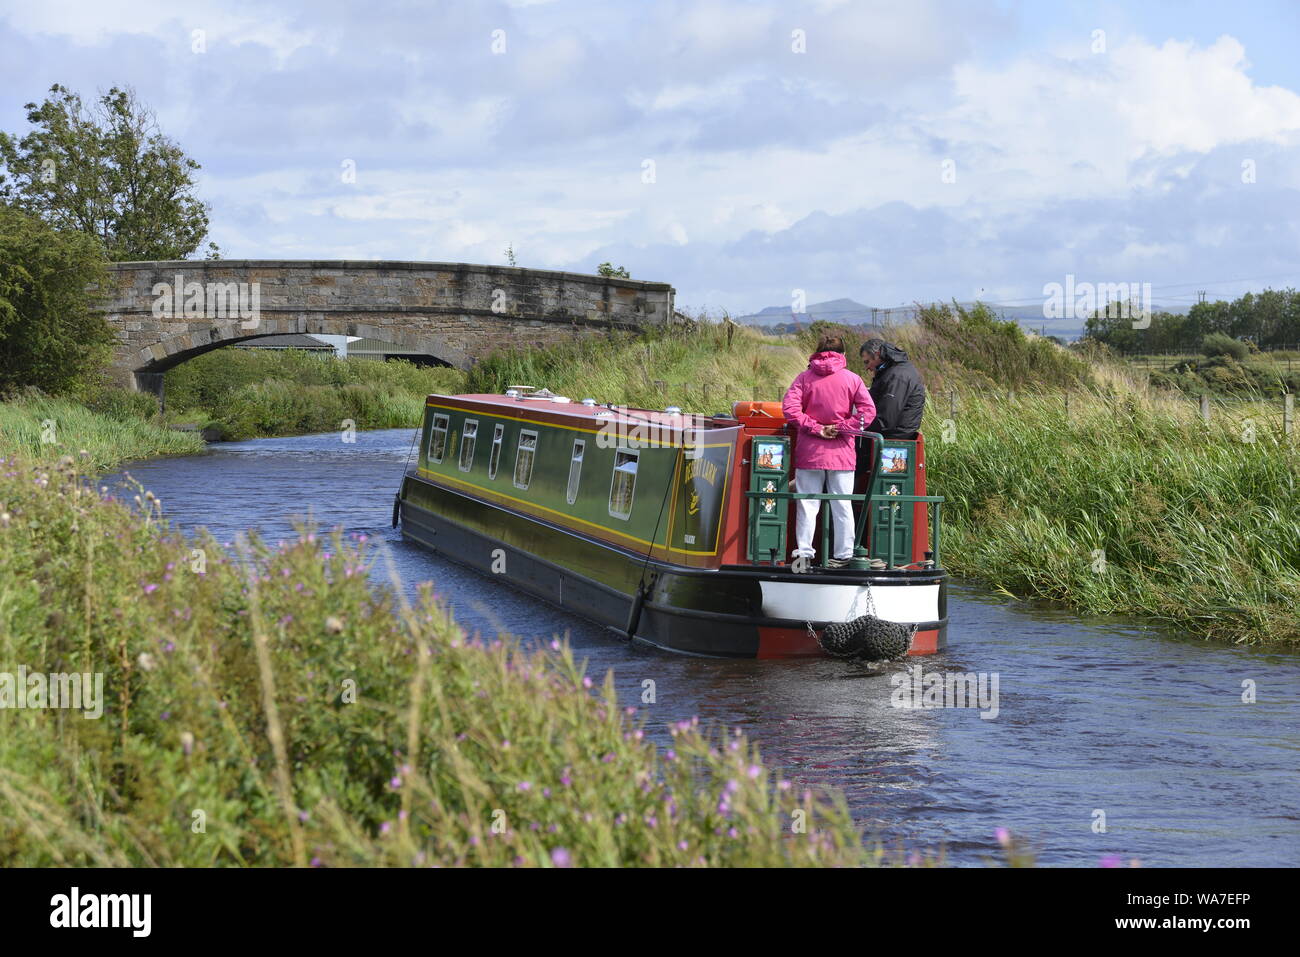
pixel 749 153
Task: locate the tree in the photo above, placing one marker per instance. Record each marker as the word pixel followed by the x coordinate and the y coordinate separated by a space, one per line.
pixel 609 269
pixel 50 337
pixel 107 171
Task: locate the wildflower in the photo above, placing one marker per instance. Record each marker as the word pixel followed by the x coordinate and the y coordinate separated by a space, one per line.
pixel 146 661
pixel 560 857
pixel 315 862
pixel 1003 836
pixel 525 785
pixel 1110 860
pixel 385 827
pixel 303 816
pixel 586 682
pixel 150 589
pixel 755 770
pixel 682 845
pixel 333 625
pixel 187 743
pixel 395 783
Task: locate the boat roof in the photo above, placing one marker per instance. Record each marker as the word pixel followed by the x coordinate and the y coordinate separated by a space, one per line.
pixel 546 408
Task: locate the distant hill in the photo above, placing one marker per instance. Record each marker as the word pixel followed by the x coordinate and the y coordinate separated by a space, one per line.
pixel 849 312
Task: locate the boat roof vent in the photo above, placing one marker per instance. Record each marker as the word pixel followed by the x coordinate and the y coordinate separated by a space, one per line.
pixel 588 401
pixel 673 410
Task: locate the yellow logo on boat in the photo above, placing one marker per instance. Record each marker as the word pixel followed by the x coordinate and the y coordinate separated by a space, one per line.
pixel 702 468
pixel 694 507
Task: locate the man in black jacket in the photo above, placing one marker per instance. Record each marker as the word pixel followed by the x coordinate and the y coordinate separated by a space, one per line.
pixel 899 396
pixel 896 389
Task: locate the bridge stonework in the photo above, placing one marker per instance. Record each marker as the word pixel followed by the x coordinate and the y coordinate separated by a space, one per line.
pixel 455 312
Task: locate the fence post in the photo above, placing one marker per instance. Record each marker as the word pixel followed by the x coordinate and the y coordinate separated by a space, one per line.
pixel 1205 407
pixel 952 404
pixel 1288 415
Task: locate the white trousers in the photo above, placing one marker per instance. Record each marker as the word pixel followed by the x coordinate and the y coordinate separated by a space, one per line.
pixel 805 524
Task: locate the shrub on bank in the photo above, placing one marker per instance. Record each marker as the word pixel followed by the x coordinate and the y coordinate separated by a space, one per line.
pixel 246 394
pixel 271 707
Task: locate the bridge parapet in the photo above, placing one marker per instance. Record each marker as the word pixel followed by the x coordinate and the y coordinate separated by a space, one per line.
pixel 166 312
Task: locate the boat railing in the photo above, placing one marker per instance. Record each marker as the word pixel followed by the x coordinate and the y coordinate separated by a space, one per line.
pixel 861 554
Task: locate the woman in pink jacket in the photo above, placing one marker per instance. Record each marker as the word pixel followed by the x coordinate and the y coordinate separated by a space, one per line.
pixel 824 401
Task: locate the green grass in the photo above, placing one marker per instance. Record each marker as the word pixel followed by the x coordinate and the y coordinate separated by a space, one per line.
pixel 245 393
pixel 46 429
pixel 1198 527
pixel 274 708
pixel 699 368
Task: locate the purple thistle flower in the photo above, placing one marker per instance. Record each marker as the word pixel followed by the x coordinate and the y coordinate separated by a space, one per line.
pixel 560 858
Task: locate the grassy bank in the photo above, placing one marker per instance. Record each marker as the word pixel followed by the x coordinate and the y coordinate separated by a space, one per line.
pixel 40 428
pixel 297 715
pixel 246 394
pixel 701 368
pixel 1126 505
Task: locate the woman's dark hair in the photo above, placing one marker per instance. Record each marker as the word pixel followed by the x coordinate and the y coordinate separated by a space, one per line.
pixel 830 344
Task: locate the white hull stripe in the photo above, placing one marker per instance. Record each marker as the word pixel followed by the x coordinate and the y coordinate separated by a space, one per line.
pixel 809 602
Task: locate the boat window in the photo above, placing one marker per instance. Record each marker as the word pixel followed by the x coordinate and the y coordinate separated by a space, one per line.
pixel 438 438
pixel 467 444
pixel 623 486
pixel 575 469
pixel 497 434
pixel 524 459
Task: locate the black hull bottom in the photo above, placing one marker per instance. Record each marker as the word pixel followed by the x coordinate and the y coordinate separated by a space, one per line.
pixel 713 613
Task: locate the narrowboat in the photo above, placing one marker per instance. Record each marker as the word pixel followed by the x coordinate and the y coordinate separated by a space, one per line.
pixel 672 530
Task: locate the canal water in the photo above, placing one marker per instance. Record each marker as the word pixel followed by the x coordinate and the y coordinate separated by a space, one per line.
pixel 1095 716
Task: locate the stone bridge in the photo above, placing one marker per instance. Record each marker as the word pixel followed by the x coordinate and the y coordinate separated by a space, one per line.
pixel 166 312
